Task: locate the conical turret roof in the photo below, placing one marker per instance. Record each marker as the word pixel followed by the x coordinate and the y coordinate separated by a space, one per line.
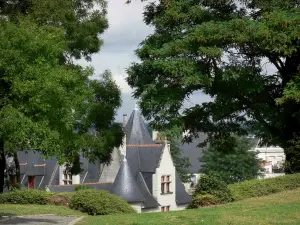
pixel 136 129
pixel 125 185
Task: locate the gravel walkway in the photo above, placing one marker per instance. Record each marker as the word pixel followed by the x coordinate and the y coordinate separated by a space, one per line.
pixel 40 220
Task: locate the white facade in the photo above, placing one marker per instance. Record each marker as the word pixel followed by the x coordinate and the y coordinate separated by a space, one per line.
pixel 274 158
pixel 137 206
pixel 65 178
pixel 165 168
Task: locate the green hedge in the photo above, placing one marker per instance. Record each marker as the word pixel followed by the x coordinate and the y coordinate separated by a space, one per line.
pixel 96 202
pixel 256 188
pixel 211 184
pixel 26 196
pixel 202 201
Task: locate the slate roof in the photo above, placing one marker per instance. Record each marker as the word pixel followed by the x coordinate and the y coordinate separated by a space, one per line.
pixel 193 153
pixel 137 130
pixel 31 165
pixel 149 201
pixel 182 197
pixel 125 185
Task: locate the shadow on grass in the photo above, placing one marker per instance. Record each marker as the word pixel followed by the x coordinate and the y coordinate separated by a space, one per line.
pixel 12 219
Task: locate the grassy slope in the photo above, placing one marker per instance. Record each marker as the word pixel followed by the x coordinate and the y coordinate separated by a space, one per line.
pixel 12 210
pixel 281 208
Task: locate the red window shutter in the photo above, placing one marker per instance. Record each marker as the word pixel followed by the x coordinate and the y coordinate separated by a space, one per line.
pixel 162 209
pixel 31 182
pixel 168 208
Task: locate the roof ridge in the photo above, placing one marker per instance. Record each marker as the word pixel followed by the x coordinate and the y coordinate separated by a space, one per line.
pixel 81 184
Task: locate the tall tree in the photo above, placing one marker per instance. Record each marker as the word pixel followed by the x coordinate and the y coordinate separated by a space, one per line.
pixel 49 106
pixel 82 20
pixel 234 165
pixel 221 48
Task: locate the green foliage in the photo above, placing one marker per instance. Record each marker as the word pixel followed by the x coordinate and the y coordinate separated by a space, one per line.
pixel 245 55
pixel 232 165
pixel 256 188
pixel 95 202
pixel 202 200
pixel 212 184
pixel 81 21
pixel 26 196
pixel 83 187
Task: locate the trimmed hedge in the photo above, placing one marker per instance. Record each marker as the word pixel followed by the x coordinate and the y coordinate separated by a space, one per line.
pixel 202 201
pixel 256 188
pixel 26 196
pixel 211 184
pixel 98 202
pixel 83 187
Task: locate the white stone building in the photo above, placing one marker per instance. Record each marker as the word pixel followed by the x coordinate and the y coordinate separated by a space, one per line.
pixel 141 172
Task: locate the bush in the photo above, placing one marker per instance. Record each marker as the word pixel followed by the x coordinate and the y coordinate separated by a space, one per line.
pixel 96 202
pixel 61 198
pixel 256 188
pixel 202 200
pixel 211 184
pixel 26 196
pixel 83 187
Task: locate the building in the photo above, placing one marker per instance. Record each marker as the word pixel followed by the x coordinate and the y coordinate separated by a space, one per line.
pixel 141 172
pixel 273 159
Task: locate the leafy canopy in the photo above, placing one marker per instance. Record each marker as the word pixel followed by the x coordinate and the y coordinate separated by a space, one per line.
pixel 235 165
pixel 82 20
pixel 245 55
pixel 49 107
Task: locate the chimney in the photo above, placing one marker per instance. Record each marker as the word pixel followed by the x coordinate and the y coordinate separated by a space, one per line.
pixel 124 120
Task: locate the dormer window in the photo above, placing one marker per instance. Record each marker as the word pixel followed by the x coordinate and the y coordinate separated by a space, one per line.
pixel 67 177
pixel 166 184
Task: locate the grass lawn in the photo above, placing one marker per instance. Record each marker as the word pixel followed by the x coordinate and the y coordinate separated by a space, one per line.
pixel 13 210
pixel 281 208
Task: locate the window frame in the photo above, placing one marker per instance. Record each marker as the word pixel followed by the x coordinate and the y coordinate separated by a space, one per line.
pixel 165 185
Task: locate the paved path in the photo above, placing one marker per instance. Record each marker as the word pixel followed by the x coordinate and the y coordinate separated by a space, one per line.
pixel 39 220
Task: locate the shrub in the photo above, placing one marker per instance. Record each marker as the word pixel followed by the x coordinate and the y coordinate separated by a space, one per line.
pixel 83 187
pixel 202 200
pixel 96 202
pixel 211 184
pixel 61 198
pixel 26 196
pixel 256 188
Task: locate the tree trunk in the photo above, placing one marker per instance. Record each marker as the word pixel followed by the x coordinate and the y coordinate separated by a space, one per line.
pixel 17 164
pixel 2 166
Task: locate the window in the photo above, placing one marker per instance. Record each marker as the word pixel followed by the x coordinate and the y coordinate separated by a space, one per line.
pixel 31 182
pixel 67 177
pixel 165 208
pixel 166 184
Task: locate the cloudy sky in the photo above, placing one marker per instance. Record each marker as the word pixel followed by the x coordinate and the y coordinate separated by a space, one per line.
pixel 125 32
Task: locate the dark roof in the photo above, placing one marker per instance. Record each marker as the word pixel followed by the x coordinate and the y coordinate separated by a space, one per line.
pixel 136 129
pixel 182 197
pixel 70 188
pixel 144 158
pixel 125 185
pixel 31 164
pixel 149 200
pixel 193 153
